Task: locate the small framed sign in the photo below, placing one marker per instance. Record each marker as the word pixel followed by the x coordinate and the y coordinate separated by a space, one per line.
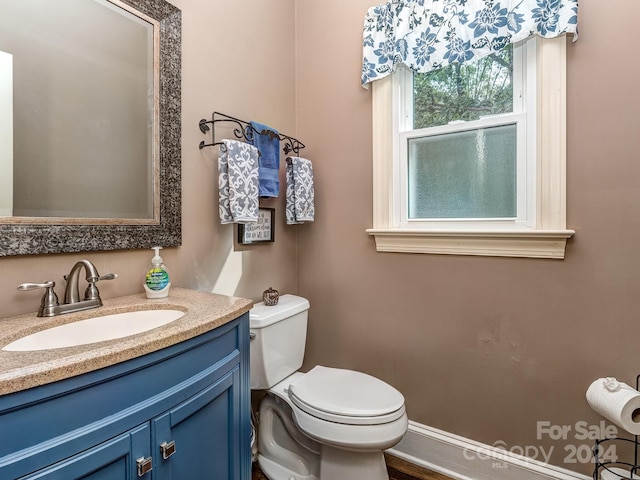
pixel 260 231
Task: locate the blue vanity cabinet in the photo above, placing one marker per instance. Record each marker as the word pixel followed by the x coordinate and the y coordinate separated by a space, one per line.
pixel 181 412
pixel 111 460
pixel 211 450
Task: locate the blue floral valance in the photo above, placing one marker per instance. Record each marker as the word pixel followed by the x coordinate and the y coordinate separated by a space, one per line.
pixel 428 34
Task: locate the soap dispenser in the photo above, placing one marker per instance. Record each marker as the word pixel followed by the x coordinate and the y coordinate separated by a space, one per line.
pixel 157 282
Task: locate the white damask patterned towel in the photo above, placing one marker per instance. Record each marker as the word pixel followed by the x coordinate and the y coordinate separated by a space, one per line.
pixel 238 182
pixel 300 194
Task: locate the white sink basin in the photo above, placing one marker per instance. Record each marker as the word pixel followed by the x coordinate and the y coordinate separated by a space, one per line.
pixel 96 329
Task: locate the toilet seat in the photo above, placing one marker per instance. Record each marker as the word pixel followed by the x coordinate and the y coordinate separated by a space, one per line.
pixel 346 397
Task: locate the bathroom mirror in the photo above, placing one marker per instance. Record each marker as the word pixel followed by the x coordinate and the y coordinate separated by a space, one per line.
pixel 90 125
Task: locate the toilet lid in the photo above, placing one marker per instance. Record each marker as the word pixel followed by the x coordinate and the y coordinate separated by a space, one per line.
pixel 347 397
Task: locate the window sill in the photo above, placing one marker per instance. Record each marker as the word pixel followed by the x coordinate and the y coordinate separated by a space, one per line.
pixel 496 243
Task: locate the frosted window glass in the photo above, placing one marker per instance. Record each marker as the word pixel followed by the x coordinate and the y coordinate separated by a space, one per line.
pixel 470 174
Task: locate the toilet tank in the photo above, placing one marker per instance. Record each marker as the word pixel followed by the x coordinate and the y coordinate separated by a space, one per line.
pixel 278 336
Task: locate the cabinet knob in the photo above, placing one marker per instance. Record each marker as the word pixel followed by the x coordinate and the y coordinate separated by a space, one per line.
pixel 168 449
pixel 144 465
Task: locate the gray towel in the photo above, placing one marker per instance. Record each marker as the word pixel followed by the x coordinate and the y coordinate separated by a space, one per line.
pixel 238 182
pixel 300 199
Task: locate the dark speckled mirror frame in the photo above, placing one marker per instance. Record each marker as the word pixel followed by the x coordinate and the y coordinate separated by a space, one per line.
pixel 29 239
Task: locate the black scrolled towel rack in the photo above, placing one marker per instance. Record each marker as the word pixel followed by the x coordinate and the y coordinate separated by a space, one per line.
pixel 244 131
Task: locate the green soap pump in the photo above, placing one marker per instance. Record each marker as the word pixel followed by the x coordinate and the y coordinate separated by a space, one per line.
pixel 156 282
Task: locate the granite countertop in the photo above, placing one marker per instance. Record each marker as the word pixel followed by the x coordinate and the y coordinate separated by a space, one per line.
pixel 23 370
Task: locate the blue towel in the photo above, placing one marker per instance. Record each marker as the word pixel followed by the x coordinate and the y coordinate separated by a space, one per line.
pixel 268 144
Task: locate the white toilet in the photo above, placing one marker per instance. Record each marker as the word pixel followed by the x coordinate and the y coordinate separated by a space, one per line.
pixel 327 424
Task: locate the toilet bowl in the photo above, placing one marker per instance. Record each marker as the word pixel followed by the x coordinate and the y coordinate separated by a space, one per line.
pixel 326 424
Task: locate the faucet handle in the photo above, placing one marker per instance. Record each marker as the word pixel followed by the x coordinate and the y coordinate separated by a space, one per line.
pixel 92 293
pixel 108 276
pixel 23 287
pixel 49 299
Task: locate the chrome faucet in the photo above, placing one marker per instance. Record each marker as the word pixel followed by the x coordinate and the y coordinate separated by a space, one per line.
pixel 50 307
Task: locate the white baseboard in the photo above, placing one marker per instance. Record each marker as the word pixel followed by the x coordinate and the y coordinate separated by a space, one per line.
pixel 463 459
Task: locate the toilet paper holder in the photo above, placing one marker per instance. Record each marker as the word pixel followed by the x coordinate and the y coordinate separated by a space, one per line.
pixel 608 469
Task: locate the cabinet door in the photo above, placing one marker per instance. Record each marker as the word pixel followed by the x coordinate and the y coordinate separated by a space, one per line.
pixel 205 431
pixel 111 460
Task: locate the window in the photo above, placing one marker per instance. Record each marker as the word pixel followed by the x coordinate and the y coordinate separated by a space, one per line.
pixel 474 173
pixel 463 151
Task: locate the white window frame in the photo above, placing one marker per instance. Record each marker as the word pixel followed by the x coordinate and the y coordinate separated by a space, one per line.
pixel 540 229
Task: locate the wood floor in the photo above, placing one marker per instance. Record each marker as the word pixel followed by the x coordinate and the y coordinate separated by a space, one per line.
pixel 398 470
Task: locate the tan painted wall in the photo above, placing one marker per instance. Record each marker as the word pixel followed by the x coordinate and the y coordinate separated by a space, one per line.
pixel 237 58
pixel 481 347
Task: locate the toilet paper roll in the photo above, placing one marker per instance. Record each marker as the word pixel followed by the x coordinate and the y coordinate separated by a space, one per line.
pixel 617 402
pixel 617 474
